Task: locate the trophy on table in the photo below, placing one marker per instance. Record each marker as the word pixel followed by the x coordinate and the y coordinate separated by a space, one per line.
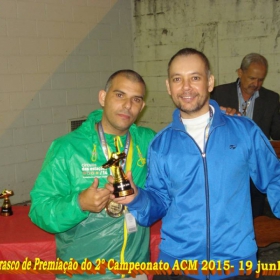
pixel 6 209
pixel 121 184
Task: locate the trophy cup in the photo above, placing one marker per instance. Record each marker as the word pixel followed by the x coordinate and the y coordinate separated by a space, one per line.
pixel 121 184
pixel 6 209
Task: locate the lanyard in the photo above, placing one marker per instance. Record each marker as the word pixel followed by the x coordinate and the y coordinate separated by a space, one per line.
pixel 207 128
pixel 105 146
pixel 128 146
pixel 245 106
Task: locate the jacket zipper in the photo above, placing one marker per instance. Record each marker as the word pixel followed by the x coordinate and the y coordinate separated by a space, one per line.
pixel 207 212
pixel 207 203
pixel 203 155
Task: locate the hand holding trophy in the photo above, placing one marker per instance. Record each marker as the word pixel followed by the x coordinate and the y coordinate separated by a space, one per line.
pixel 6 209
pixel 121 184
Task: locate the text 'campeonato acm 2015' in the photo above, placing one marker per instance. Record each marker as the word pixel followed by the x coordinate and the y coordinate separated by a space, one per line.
pixel 191 267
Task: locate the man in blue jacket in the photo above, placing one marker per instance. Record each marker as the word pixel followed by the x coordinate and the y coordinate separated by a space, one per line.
pixel 198 182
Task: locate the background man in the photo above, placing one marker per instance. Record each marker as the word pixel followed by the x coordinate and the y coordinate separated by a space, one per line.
pixel 69 195
pixel 254 101
pixel 198 176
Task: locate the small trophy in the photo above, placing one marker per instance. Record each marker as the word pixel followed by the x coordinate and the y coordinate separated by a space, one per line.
pixel 121 184
pixel 6 209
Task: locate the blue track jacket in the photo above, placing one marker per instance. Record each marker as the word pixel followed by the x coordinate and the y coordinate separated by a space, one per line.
pixel 203 197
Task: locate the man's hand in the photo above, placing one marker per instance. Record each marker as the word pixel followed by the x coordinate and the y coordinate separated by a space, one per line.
pixel 93 199
pixel 230 111
pixel 122 200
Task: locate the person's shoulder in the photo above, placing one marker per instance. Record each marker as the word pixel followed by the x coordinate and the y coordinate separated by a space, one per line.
pixel 222 91
pixel 163 135
pixel 243 128
pixel 81 134
pixel 62 143
pixel 268 92
pixel 142 131
pixel 239 121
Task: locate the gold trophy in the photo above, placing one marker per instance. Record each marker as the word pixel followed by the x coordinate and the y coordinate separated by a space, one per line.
pixel 6 209
pixel 121 184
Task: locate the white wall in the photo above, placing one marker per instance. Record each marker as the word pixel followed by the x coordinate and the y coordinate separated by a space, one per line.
pixel 225 30
pixel 55 55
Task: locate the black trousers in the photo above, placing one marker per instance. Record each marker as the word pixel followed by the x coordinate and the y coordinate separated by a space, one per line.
pixel 257 200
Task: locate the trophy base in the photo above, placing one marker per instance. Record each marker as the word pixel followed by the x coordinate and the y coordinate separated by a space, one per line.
pixel 122 189
pixel 124 193
pixel 6 212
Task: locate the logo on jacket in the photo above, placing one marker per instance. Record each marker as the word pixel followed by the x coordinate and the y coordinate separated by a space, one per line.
pixel 91 170
pixel 232 147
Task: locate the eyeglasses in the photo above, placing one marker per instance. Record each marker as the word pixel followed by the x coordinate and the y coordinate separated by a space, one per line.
pixel 244 107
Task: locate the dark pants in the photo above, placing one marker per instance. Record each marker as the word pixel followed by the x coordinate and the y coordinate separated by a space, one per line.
pixel 257 200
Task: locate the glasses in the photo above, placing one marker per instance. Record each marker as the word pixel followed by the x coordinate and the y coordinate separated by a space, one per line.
pixel 244 107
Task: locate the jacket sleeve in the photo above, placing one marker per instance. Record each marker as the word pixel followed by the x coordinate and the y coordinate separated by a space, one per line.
pixel 265 169
pixel 152 203
pixel 54 204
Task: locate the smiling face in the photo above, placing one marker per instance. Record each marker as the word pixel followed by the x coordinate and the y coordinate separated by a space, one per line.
pixel 251 79
pixel 189 85
pixel 122 104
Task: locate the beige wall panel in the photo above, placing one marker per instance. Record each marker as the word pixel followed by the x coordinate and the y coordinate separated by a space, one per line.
pixel 55 55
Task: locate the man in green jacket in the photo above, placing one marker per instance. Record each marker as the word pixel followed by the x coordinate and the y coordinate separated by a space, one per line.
pixel 69 198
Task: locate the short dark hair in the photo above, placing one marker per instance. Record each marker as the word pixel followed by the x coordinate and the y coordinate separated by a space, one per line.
pixel 129 74
pixel 190 51
pixel 253 58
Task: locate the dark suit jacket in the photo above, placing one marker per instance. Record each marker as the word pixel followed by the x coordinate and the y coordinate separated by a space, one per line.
pixel 266 109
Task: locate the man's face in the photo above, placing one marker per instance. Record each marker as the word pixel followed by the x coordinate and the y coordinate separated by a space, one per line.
pixel 189 85
pixel 252 79
pixel 122 104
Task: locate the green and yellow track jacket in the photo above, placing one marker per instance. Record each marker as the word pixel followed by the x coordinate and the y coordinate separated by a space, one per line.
pixel 71 164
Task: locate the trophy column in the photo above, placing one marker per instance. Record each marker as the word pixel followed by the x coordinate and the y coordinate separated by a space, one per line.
pixel 121 184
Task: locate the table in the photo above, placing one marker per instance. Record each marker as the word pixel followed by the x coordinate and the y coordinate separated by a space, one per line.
pixel 266 230
pixel 20 238
pixel 276 146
